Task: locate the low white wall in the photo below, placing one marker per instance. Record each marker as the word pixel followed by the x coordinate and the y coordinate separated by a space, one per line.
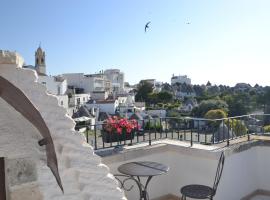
pixel 244 172
pixel 240 176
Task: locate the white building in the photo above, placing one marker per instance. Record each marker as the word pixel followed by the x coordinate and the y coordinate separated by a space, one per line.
pixel 92 83
pixel 77 100
pixel 107 106
pixel 55 85
pixel 180 79
pixel 117 80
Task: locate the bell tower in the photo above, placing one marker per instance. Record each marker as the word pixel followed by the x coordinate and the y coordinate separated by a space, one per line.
pixel 40 61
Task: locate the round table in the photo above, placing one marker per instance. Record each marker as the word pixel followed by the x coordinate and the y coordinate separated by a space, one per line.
pixel 143 169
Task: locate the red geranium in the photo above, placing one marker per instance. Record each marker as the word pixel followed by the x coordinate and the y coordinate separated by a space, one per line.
pixel 115 124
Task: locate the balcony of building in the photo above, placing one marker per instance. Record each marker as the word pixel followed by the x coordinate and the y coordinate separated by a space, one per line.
pixel 191 152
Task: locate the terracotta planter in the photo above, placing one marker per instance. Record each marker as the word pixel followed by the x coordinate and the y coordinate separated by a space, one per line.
pixel 115 137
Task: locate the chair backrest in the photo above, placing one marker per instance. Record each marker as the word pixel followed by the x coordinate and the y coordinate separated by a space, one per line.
pixel 219 171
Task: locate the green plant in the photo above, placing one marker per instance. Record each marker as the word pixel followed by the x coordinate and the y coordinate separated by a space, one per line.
pixel 237 126
pixel 266 128
pixel 215 114
pixel 152 125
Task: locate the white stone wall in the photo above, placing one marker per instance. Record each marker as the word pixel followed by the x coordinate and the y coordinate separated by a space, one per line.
pixel 104 107
pixel 53 87
pixel 89 84
pixel 82 173
pixel 81 98
pixel 63 101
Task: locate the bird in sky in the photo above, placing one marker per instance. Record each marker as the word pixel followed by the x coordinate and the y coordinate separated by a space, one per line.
pixel 188 23
pixel 146 26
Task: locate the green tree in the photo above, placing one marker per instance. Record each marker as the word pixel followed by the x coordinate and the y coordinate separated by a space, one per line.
pixel 164 97
pixel 215 114
pixel 153 98
pixel 207 105
pixel 143 90
pixel 238 104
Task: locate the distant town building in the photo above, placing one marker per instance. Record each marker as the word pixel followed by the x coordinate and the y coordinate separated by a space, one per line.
pixel 180 79
pixel 56 85
pixel 40 64
pixel 151 81
pixel 100 85
pixel 106 106
pixel 117 80
pixel 90 83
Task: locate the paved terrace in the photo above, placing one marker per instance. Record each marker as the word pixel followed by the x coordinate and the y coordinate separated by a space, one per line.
pixel 245 177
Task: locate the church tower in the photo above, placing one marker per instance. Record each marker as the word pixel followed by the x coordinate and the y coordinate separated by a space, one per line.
pixel 40 61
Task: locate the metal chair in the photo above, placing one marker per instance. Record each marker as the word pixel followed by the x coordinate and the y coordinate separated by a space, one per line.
pixel 203 191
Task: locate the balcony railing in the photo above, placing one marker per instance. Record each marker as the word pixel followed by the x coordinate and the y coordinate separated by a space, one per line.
pixel 192 130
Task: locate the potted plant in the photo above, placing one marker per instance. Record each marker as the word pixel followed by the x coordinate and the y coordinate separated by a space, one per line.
pixel 118 129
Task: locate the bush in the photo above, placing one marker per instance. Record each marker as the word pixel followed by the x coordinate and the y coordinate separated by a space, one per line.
pixel 152 125
pixel 238 127
pixel 215 114
pixel 266 128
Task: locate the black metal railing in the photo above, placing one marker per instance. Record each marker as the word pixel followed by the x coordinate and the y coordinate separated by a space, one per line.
pixel 193 130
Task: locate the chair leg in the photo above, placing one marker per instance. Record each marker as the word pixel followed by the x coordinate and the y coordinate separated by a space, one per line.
pixel 183 197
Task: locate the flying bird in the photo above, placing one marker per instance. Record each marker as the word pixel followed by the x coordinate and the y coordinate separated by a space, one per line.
pixel 146 26
pixel 188 22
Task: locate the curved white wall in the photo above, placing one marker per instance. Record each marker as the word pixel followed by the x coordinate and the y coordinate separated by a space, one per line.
pixel 82 173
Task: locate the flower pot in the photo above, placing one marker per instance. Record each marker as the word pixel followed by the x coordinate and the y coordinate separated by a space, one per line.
pixel 116 137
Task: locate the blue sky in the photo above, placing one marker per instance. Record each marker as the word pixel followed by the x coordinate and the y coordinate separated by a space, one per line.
pixel 227 41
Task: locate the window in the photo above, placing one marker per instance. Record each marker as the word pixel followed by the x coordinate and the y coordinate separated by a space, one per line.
pixel 62 103
pixel 44 83
pixel 58 90
pixel 78 101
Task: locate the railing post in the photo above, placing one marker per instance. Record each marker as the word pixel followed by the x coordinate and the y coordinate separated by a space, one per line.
pixel 228 136
pixel 95 133
pixel 166 125
pixel 87 134
pixel 185 127
pixel 138 130
pixel 223 130
pixel 149 131
pixel 161 127
pixel 155 129
pixel 191 133
pixel 198 130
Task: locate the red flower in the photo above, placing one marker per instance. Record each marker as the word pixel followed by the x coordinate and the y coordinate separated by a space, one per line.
pixel 120 125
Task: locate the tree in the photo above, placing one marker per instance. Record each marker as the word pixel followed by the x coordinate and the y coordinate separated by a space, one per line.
pixel 143 90
pixel 164 97
pixel 207 105
pixel 215 114
pixel 153 98
pixel 238 104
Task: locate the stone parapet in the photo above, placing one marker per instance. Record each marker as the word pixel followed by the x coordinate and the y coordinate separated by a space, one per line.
pixel 8 57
